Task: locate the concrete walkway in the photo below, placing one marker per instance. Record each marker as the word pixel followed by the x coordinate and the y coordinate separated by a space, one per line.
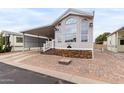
pixel 16 57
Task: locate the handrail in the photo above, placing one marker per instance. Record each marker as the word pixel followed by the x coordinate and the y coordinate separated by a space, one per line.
pixel 48 45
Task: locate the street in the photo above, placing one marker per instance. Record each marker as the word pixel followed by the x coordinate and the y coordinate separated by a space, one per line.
pixel 13 75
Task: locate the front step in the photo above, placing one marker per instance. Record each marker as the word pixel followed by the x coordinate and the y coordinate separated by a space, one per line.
pixel 65 61
pixel 49 52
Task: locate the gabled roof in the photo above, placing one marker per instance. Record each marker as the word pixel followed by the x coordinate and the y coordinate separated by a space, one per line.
pixel 11 33
pixel 120 29
pixel 50 33
pixel 75 12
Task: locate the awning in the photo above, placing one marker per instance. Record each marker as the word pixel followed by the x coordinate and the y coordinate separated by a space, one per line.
pixel 45 31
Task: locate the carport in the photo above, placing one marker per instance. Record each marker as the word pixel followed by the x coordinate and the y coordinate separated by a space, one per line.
pixel 35 38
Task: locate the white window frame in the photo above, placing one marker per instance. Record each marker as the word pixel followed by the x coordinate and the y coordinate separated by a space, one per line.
pixel 86 33
pixel 19 37
pixel 73 21
pixel 69 24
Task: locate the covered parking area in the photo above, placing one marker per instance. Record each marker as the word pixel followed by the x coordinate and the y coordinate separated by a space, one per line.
pixel 35 38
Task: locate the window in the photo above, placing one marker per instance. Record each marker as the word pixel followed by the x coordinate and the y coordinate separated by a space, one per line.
pixel 71 21
pixel 70 33
pixel 19 39
pixel 121 42
pixel 59 38
pixel 84 30
pixel 70 30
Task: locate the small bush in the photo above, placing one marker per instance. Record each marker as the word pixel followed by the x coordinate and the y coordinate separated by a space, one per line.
pixel 7 49
pixel 1 49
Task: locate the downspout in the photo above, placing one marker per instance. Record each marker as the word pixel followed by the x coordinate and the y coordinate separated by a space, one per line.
pixel 13 43
pixel 92 37
pixel 38 43
pixel 117 42
pixel 23 42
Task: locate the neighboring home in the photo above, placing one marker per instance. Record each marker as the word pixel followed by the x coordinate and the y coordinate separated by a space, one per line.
pixel 115 41
pixel 15 40
pixel 105 43
pixel 71 35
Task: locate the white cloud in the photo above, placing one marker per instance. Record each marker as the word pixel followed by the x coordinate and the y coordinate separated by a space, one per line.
pixel 20 19
pixel 106 20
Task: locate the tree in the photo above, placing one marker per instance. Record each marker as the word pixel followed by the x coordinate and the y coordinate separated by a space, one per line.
pixel 101 38
pixel 1 42
pixel 4 44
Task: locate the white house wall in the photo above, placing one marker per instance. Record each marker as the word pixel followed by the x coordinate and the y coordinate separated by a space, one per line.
pixel 13 40
pixel 78 44
pixel 112 42
pixel 120 36
pixel 16 46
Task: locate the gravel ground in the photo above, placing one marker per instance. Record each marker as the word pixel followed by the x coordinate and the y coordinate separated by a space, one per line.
pixel 105 67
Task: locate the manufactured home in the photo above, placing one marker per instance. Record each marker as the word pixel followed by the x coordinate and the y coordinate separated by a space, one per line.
pixel 71 35
pixel 17 43
pixel 15 40
pixel 115 41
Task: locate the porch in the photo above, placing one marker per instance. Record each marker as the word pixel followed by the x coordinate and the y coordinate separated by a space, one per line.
pixel 44 39
pixel 41 38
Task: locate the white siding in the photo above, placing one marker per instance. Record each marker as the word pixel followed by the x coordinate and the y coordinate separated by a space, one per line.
pixel 78 44
pixel 13 40
pixel 15 45
pixel 112 42
pixel 120 37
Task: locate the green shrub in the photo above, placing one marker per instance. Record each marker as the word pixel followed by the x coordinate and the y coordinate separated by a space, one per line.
pixel 7 49
pixel 101 38
pixel 1 49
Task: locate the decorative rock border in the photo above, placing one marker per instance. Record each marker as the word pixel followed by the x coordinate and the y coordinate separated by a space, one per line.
pixel 86 54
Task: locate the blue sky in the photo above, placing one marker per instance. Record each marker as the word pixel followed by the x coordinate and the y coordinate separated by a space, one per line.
pixel 20 19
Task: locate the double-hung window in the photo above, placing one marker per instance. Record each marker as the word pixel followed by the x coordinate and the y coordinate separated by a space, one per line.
pixel 84 30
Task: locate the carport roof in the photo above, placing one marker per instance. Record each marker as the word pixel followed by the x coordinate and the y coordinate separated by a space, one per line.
pixel 46 31
pixel 11 33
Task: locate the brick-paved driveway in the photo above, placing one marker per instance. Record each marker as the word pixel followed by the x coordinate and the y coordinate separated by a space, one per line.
pixel 104 67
